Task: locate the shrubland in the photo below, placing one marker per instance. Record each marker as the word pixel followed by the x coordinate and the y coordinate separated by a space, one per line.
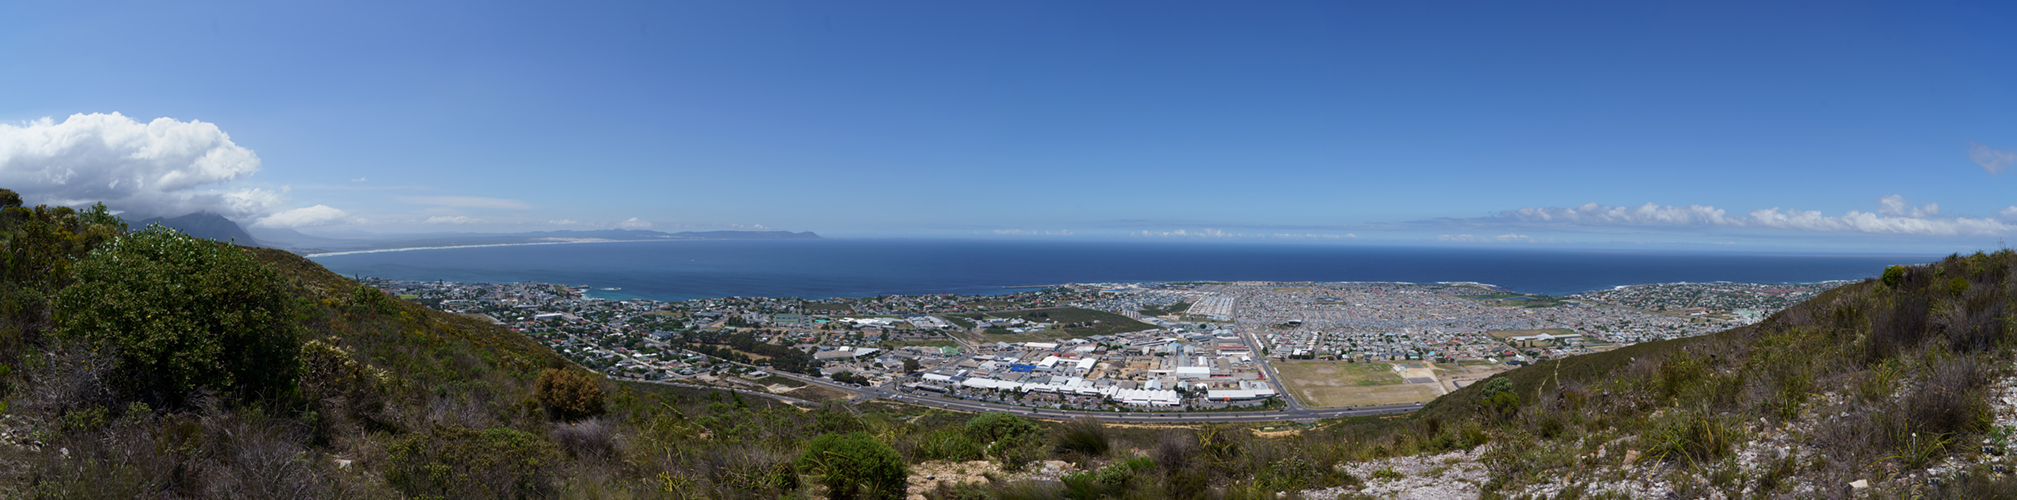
pixel 138 362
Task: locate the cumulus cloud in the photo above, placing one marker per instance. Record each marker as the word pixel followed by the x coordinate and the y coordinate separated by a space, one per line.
pixel 1895 206
pixel 467 202
pixel 634 223
pixel 1893 217
pixel 158 168
pixel 319 215
pixel 457 219
pixel 1991 159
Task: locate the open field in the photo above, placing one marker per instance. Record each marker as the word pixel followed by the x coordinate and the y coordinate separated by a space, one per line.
pixel 1328 384
pixel 1516 299
pixel 1504 334
pixel 1073 322
pixel 1466 374
pixel 811 393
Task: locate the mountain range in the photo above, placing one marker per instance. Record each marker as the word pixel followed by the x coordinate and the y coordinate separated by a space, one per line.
pixel 212 226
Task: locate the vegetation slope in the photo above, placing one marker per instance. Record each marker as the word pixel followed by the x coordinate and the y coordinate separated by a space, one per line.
pixel 146 363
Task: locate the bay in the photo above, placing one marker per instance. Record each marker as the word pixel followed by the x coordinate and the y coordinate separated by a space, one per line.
pixel 680 270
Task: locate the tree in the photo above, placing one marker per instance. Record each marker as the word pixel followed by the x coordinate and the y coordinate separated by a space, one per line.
pixel 178 314
pixel 855 465
pixel 567 394
pixel 1893 275
pixel 910 365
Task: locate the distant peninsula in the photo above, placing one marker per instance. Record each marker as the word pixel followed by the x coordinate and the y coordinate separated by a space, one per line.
pixel 216 227
pixel 310 245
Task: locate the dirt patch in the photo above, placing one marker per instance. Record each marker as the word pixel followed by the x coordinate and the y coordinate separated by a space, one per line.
pixel 1329 384
pixel 1504 334
pixel 928 475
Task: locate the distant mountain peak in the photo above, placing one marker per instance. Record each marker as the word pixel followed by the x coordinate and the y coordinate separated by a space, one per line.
pixel 206 225
pixel 750 235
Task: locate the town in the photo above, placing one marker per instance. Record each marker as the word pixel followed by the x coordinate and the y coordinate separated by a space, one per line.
pixel 1108 347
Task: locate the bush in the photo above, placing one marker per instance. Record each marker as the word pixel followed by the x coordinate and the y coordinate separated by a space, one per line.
pixel 1004 437
pixel 947 444
pixel 855 465
pixel 568 395
pixel 593 438
pixel 1084 436
pixel 179 314
pixel 988 428
pixel 1893 276
pixel 459 462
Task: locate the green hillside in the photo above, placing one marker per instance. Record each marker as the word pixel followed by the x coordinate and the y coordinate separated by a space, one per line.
pixel 1879 381
pixel 150 364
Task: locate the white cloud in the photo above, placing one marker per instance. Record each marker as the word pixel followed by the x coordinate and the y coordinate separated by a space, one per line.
pixel 1181 233
pixel 467 202
pixel 1897 218
pixel 1033 232
pixel 1991 159
pixel 2009 214
pixel 319 215
pixel 359 179
pixel 1302 236
pixel 1503 238
pixel 150 169
pixel 634 223
pixel 1648 214
pixel 565 222
pixel 1895 205
pixel 458 219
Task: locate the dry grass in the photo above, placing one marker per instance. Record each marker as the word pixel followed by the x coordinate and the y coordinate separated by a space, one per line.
pixel 1327 384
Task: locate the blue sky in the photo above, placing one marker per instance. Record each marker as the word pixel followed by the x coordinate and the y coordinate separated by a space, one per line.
pixel 1822 126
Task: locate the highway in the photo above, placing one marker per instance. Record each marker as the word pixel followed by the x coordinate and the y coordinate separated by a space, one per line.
pixel 1294 414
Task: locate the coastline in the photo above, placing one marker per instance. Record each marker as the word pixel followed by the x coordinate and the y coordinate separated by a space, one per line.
pixel 384 250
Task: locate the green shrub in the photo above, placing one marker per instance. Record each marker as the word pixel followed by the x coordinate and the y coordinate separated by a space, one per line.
pixel 178 314
pixel 1893 276
pixel 947 444
pixel 991 427
pixel 459 462
pixel 1005 439
pixel 855 465
pixel 1692 436
pixel 1085 437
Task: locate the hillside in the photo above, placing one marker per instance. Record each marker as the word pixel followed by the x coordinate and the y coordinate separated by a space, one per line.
pixel 149 364
pixel 1896 386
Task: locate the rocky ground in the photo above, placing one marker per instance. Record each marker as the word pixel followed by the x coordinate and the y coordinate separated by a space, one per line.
pixel 928 475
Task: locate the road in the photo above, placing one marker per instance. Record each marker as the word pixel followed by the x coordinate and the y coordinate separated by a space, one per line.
pixel 1296 414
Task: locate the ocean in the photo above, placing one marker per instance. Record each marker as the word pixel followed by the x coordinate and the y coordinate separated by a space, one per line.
pixel 680 270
